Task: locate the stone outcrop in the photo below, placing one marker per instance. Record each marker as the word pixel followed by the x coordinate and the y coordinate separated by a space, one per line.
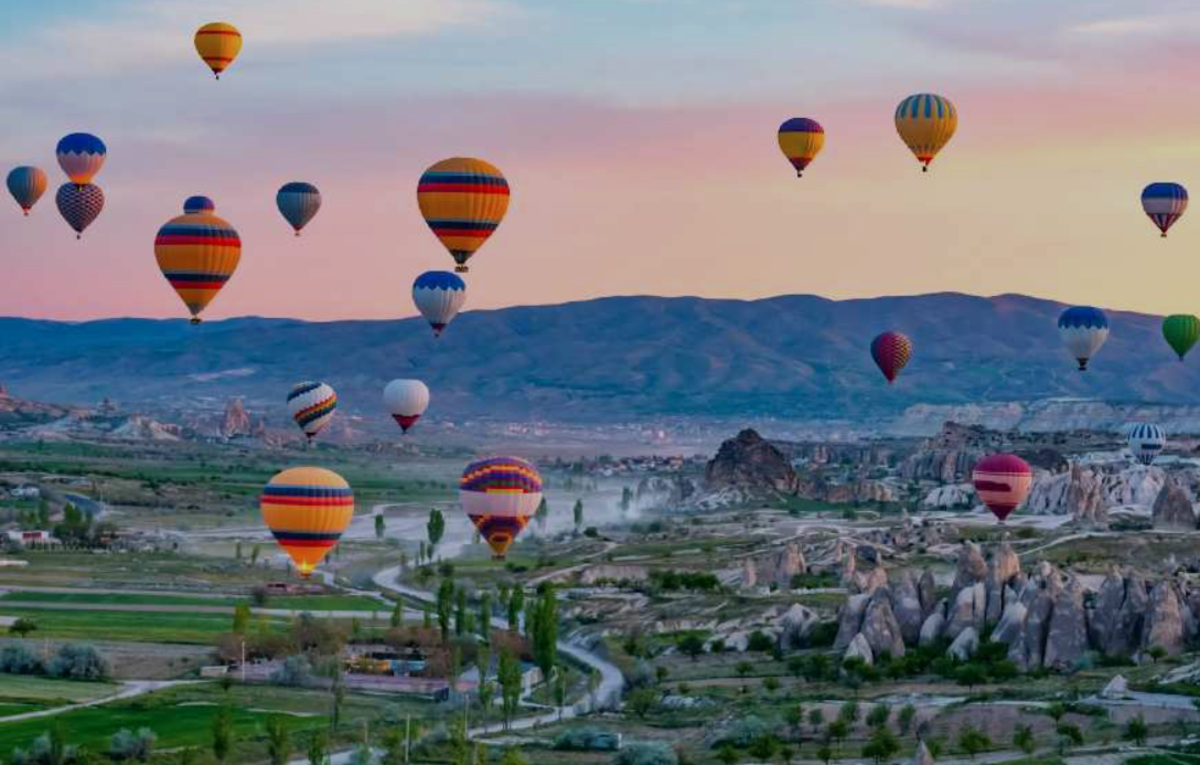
pixel 779 568
pixel 1173 509
pixel 934 626
pixel 880 628
pixel 850 620
pixel 906 604
pixel 972 568
pixel 749 574
pixel 797 625
pixel 967 610
pixel 1084 499
pixel 236 422
pixel 1066 639
pixel 749 461
pixel 965 645
pixel 1164 621
pixel 861 648
pixel 922 755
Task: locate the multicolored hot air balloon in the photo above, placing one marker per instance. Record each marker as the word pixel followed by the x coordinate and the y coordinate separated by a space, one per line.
pixel 1181 331
pixel 1164 204
pixel 311 405
pixel 406 401
pixel 1146 442
pixel 307 509
pixel 891 352
pixel 79 205
pixel 1002 482
pixel 197 253
pixel 499 495
pixel 198 204
pixel 463 201
pixel 800 140
pixel 81 155
pixel 439 295
pixel 26 184
pixel 926 123
pixel 1083 329
pixel 298 202
pixel 218 44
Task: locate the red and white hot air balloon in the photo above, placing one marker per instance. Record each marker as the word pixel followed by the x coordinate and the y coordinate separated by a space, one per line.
pixel 1002 482
pixel 406 401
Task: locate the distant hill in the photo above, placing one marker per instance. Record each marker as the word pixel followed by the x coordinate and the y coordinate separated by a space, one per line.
pixel 618 359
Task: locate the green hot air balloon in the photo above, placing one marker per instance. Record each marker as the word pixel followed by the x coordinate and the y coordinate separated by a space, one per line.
pixel 1181 330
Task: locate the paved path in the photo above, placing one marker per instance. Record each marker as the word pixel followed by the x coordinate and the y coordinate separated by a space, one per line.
pixel 130 689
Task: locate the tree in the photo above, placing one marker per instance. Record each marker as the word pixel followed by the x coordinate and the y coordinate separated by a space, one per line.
pixel 1024 740
pixel 22 627
pixel 816 718
pixel 849 713
pixel 786 754
pixel 1157 653
pixel 824 753
pixel 545 631
pixel 222 733
pixel 881 746
pixel 241 619
pixel 742 668
pixel 542 515
pixel 513 757
pixel 460 612
pixel 577 512
pixel 445 603
pixel 692 645
pixel 485 617
pixel 254 553
pixel 1069 735
pixel 380 526
pixel 764 747
pixel 727 755
pixel 509 676
pixel 318 748
pixel 279 740
pixel 642 701
pixel 362 755
pixel 1056 711
pixel 393 747
pixel 237 550
pixel 1137 731
pixel 339 697
pixel 971 675
pixel 626 499
pixel 973 741
pixel 397 619
pixel 516 604
pixel 560 691
pixel 904 719
pixel 837 731
pixel 435 528
pixel 879 715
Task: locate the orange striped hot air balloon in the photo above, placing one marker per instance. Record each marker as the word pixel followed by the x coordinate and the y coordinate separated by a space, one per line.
pixel 499 495
pixel 197 252
pixel 218 44
pixel 1002 482
pixel 463 201
pixel 307 509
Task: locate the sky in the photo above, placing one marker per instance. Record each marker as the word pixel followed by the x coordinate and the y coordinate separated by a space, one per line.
pixel 638 137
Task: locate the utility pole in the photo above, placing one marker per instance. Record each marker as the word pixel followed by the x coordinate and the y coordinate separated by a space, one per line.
pixel 407 735
pixel 243 660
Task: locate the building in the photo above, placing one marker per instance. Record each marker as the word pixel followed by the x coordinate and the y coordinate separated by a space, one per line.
pixel 31 538
pixel 27 491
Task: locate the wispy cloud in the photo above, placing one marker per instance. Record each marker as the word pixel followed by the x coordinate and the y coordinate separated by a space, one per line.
pixel 1138 25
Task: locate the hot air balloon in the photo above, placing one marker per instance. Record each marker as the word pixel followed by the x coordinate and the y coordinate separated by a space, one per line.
pixel 439 295
pixel 463 201
pixel 218 44
pixel 800 140
pixel 1181 331
pixel 307 509
pixel 406 401
pixel 26 184
pixel 891 352
pixel 1164 203
pixel 298 202
pixel 1146 442
pixel 1083 329
pixel 81 155
pixel 926 123
pixel 1002 482
pixel 499 495
pixel 197 253
pixel 79 205
pixel 198 204
pixel 311 405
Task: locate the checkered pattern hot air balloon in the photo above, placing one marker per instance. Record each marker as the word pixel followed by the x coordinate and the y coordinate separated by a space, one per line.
pixel 926 123
pixel 800 140
pixel 463 201
pixel 311 405
pixel 1164 203
pixel 198 253
pixel 307 509
pixel 499 495
pixel 79 205
pixel 1002 482
pixel 891 352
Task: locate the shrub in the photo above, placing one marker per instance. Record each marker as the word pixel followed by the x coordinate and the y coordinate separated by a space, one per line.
pixel 586 739
pixel 76 661
pixel 743 732
pixel 17 659
pixel 646 754
pixel 296 671
pixel 760 641
pixel 127 745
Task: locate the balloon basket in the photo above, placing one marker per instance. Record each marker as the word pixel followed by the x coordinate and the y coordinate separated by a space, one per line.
pixel 461 269
pixel 194 320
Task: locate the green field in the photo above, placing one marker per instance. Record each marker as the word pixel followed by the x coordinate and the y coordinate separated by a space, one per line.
pixel 292 602
pixel 42 690
pixel 136 626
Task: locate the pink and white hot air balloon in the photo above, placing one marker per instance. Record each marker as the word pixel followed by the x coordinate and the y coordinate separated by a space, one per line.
pixel 1002 482
pixel 406 401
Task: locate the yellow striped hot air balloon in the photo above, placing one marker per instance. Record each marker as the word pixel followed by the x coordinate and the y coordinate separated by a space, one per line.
pixel 463 201
pixel 197 252
pixel 926 123
pixel 800 140
pixel 307 509
pixel 218 44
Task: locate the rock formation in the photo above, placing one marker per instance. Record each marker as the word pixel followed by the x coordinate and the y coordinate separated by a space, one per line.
pixel 1173 509
pixel 861 648
pixel 972 567
pixel 1084 500
pixel 748 461
pixel 880 628
pixel 965 645
pixel 1066 638
pixel 1164 623
pixel 796 625
pixel 922 755
pixel 236 421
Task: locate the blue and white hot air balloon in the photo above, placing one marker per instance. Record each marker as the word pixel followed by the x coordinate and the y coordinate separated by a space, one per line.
pixel 81 155
pixel 439 295
pixel 298 202
pixel 1146 441
pixel 1164 203
pixel 1083 329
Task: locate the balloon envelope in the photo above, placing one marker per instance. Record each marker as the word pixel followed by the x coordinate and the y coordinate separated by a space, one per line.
pixel 1146 441
pixel 81 155
pixel 1164 203
pixel 1181 332
pixel 298 202
pixel 1083 330
pixel 79 205
pixel 463 201
pixel 311 405
pixel 198 204
pixel 26 184
pixel 406 401
pixel 439 295
pixel 198 253
pixel 891 351
pixel 499 494
pixel 307 509
pixel 800 140
pixel 926 123
pixel 1002 482
pixel 218 44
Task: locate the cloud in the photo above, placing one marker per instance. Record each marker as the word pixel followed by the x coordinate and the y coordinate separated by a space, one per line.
pixel 1136 25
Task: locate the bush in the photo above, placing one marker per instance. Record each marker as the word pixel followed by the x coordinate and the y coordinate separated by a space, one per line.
pixel 646 754
pixel 76 661
pixel 743 732
pixel 127 745
pixel 587 740
pixel 759 641
pixel 17 659
pixel 296 672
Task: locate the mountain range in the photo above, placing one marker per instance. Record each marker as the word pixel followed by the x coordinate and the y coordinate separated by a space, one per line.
pixel 794 357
